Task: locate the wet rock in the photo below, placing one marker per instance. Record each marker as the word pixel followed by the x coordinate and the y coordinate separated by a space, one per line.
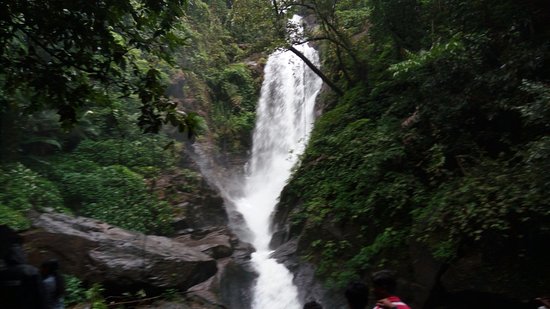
pixel 236 282
pixel 164 305
pixel 279 237
pixel 238 224
pixel 310 288
pixel 187 303
pixel 119 259
pixel 197 204
pixel 216 243
pixel 231 285
pixel 206 211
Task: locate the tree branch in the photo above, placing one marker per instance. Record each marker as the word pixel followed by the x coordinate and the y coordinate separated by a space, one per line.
pixel 316 70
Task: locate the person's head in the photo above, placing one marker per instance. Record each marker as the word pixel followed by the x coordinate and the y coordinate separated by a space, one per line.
pixel 11 250
pixel 49 267
pixel 312 305
pixel 357 295
pixel 383 283
pixel 8 238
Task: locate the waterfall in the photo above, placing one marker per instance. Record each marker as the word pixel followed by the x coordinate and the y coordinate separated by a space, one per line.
pixel 284 119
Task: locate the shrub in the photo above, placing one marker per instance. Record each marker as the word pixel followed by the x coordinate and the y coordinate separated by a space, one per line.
pixel 74 291
pixel 147 151
pixel 21 190
pixel 116 195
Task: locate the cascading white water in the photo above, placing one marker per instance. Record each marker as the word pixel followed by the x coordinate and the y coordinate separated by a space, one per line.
pixel 284 120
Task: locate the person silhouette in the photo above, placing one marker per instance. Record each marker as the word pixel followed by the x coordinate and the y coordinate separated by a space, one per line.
pixel 357 295
pixel 54 285
pixel 20 283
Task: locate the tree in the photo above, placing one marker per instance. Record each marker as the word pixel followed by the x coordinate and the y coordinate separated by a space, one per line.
pixel 338 22
pixel 341 24
pixel 287 34
pixel 400 21
pixel 252 23
pixel 68 55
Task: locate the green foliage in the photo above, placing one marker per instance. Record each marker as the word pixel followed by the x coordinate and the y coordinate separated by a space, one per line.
pixel 110 63
pixel 352 17
pixel 454 48
pixel 329 251
pixel 14 218
pixel 235 87
pixel 536 112
pixel 366 185
pixel 113 194
pixel 146 151
pixel 495 196
pixel 213 47
pixel 253 22
pixel 366 151
pixel 65 55
pixel 443 144
pixel 341 29
pixel 398 20
pixel 95 296
pixel 99 70
pixel 23 190
pixel 369 256
pixel 217 81
pixel 235 96
pixel 172 295
pixel 74 291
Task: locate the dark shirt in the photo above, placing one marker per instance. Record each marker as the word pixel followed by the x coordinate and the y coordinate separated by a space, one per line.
pixel 53 301
pixel 20 286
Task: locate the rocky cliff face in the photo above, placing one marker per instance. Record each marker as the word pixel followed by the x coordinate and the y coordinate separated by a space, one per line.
pixel 309 286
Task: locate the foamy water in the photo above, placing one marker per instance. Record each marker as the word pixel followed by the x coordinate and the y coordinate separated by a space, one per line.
pixel 284 119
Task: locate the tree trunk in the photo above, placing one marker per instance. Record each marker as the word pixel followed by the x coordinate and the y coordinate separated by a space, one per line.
pixel 316 70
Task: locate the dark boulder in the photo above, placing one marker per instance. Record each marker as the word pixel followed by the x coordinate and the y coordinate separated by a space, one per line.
pixel 216 242
pixel 310 287
pixel 231 285
pixel 121 260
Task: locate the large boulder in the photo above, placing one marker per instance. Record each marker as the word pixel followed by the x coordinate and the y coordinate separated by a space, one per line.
pixel 216 242
pixel 230 287
pixel 121 260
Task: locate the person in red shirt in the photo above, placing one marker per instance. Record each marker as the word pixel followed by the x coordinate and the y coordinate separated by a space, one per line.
pixel 384 285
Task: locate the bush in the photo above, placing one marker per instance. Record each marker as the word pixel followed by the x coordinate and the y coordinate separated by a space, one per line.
pixel 116 195
pixel 235 97
pixel 147 151
pixel 22 190
pixel 74 291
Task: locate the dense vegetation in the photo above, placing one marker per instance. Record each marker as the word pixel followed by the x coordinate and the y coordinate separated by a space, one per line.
pixel 440 140
pixel 82 83
pixel 84 86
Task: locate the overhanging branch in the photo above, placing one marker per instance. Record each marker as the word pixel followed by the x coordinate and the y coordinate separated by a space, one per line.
pixel 316 70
